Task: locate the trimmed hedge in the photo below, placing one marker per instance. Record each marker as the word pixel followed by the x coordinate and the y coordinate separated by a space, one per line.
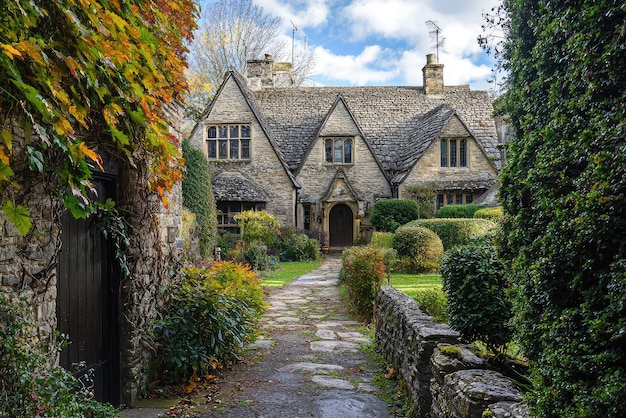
pixel 493 214
pixel 458 211
pixel 419 249
pixel 453 232
pixel 389 214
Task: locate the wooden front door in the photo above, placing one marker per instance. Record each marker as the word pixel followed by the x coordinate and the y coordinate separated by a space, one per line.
pixel 87 302
pixel 341 226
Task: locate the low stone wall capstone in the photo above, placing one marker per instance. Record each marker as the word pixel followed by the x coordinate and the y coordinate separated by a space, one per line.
pixel 443 377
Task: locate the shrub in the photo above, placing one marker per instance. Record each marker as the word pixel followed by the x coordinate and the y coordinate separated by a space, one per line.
pixel 299 247
pixel 424 196
pixel 30 385
pixel 421 246
pixel 492 214
pixel 388 214
pixel 455 232
pixel 257 257
pixel 208 316
pixel 433 302
pixel 188 232
pixel 258 226
pixel 473 281
pixel 198 198
pixel 458 211
pixel 363 273
pixel 382 239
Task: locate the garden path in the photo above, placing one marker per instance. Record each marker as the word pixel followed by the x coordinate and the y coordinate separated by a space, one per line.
pixel 308 361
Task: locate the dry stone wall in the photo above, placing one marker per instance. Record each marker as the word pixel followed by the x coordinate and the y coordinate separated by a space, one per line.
pixel 443 377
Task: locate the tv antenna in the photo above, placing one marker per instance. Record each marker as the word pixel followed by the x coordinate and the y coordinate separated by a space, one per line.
pixel 293 37
pixel 434 35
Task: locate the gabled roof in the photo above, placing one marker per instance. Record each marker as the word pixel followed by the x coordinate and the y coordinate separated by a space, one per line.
pixel 340 101
pixel 391 118
pixel 247 94
pixel 235 187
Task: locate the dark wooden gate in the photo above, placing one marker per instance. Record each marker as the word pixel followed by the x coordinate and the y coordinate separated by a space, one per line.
pixel 87 302
pixel 341 224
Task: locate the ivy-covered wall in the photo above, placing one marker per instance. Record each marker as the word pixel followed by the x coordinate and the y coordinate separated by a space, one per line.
pixel 29 264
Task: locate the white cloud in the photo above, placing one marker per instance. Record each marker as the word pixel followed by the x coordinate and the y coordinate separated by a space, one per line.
pixel 354 70
pixel 360 42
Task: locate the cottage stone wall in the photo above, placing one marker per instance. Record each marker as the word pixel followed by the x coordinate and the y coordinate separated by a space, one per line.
pixel 428 169
pixel 364 174
pixel 444 378
pixel 264 166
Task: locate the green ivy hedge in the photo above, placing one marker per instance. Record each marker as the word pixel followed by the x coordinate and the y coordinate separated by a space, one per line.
pixel 198 198
pixel 457 231
pixel 564 192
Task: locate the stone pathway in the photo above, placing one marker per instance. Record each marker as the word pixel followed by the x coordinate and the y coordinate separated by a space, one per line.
pixel 308 361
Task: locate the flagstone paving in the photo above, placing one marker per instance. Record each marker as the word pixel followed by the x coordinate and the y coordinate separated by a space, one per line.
pixel 308 361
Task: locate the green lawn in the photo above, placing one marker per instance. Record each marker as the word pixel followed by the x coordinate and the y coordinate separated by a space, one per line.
pixel 412 284
pixel 286 272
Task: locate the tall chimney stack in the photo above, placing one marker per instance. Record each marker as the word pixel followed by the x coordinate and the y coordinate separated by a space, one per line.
pixel 433 75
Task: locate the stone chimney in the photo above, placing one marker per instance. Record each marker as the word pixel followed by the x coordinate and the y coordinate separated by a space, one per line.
pixel 260 73
pixel 433 75
pixel 267 73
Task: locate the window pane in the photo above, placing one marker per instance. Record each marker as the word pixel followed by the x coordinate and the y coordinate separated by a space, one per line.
pixel 329 150
pixel 453 153
pixel 444 153
pixel 234 149
pixel 234 131
pixel 211 149
pixel 448 199
pixel 212 132
pixel 245 149
pixel 469 198
pixel 245 131
pixel 222 132
pixel 459 199
pixel 463 153
pixel 338 152
pixel 347 151
pixel 223 144
pixel 439 201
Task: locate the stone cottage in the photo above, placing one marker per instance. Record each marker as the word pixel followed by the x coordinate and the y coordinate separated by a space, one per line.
pixel 319 157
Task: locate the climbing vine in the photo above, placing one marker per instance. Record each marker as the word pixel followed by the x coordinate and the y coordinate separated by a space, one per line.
pixel 79 78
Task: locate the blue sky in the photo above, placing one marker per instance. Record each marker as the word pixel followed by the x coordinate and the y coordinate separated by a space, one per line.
pixel 385 42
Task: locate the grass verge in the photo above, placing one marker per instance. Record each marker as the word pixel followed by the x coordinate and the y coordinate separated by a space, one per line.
pixel 287 272
pixel 412 284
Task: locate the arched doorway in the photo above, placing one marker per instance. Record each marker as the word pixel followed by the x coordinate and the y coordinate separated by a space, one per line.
pixel 341 226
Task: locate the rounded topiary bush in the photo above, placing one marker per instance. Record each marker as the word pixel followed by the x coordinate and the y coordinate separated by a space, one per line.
pixel 453 232
pixel 419 249
pixel 458 211
pixel 493 214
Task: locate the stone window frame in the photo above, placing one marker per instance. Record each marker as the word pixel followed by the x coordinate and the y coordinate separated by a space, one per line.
pixel 226 210
pixel 345 148
pixel 453 198
pixel 228 142
pixel 454 153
